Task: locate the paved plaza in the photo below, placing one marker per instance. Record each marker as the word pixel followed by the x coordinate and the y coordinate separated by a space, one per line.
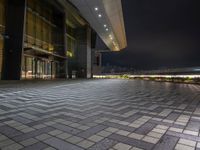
pixel 99 115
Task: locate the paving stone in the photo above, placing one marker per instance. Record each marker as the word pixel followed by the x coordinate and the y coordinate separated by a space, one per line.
pixel 86 144
pixel 104 133
pixel 159 130
pixel 122 146
pixel 187 142
pixel 43 137
pixel 60 144
pixel 37 146
pixel 166 143
pixel 135 148
pixel 74 139
pixel 8 131
pixel 183 147
pixel 150 139
pixel 3 137
pixel 64 135
pixel 49 148
pixel 26 130
pixel 6 142
pixel 32 134
pixel 136 136
pixel 28 142
pixel 162 127
pixel 190 132
pixel 122 132
pixel 39 126
pixel 55 132
pixel 198 145
pixel 82 127
pixel 176 129
pixel 118 126
pixel 105 144
pixel 144 129
pixel 14 146
pixel 155 135
pixel 112 130
pixel 66 129
pixel 95 138
pixel 130 141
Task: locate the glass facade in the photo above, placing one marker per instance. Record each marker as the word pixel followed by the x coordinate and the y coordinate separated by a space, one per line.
pixel 44 38
pixel 48 52
pixel 71 41
pixel 39 26
pixel 2 29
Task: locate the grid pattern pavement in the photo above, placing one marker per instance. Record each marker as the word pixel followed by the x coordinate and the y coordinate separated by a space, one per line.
pixel 99 115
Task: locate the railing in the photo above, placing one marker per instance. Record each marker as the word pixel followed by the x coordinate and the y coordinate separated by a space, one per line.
pixel 39 43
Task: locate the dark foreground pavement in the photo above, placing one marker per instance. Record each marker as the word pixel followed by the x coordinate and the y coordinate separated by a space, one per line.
pixel 99 115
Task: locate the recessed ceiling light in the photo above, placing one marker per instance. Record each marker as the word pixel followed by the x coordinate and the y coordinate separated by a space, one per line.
pixel 99 15
pixel 96 8
pixel 105 25
pixel 106 29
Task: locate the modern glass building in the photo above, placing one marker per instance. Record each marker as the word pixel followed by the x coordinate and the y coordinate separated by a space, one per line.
pixel 43 39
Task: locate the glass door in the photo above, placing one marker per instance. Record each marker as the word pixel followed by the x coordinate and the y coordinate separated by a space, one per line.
pixel 40 69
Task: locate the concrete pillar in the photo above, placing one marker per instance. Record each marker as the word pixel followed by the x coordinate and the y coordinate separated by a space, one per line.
pixel 100 59
pixel 97 63
pixel 14 44
pixel 89 54
pixel 65 46
pixel 84 53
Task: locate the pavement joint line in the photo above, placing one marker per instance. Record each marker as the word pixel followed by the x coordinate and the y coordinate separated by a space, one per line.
pixel 65 85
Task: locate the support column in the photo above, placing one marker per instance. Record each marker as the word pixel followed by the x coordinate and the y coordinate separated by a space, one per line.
pixel 84 53
pixel 89 54
pixel 65 46
pixel 97 63
pixel 14 44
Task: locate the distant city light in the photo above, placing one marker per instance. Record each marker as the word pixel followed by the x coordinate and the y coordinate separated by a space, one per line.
pixel 198 69
pixel 150 76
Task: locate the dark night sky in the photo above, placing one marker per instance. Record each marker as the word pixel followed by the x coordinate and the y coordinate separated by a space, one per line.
pixel 160 34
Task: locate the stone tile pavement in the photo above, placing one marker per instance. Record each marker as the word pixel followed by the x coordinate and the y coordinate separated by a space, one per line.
pixel 99 115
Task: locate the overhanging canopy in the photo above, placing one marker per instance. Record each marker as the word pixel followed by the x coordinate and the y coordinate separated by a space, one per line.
pixel 106 18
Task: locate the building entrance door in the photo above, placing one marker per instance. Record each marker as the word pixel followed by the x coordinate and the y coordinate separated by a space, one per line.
pixel 39 68
pixel 43 69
